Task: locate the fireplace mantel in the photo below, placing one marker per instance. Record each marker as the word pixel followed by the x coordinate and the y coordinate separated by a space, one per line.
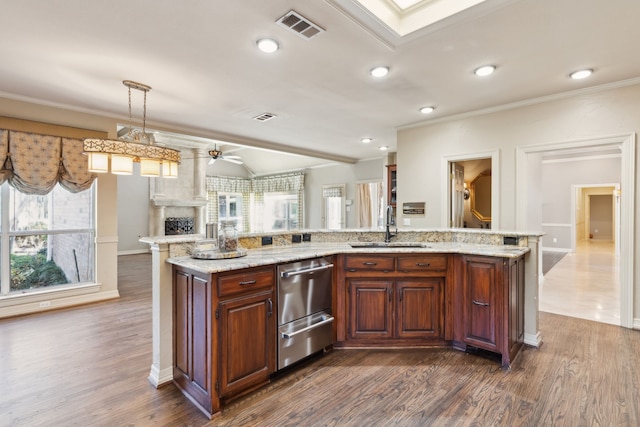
pixel 193 203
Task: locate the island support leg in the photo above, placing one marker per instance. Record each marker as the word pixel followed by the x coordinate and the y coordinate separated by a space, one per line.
pixel 162 316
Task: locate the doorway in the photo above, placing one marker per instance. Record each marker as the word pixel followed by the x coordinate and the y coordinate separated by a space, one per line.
pixel 467 189
pixel 529 200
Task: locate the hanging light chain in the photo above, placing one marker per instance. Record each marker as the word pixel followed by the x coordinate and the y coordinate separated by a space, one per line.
pixel 143 88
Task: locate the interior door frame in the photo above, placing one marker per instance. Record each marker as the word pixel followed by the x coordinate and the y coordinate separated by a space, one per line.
pixel 446 190
pixel 574 208
pixel 627 143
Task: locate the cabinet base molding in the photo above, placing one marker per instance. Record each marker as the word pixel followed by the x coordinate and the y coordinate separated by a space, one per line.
pixel 534 340
pixel 158 377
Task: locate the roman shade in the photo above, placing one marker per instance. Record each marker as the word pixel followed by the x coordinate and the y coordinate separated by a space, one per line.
pixel 34 163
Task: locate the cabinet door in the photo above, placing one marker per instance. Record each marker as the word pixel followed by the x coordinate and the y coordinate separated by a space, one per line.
pixel 192 325
pixel 370 309
pixel 482 292
pixel 419 313
pixel 247 342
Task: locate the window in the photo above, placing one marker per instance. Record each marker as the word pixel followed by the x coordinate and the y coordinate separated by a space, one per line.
pixel 280 211
pixel 257 204
pixel 46 240
pixel 230 208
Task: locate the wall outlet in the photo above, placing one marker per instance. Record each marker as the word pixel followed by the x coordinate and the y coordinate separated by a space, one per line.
pixel 296 238
pixel 44 304
pixel 406 221
pixel 267 240
pixel 306 237
pixel 555 240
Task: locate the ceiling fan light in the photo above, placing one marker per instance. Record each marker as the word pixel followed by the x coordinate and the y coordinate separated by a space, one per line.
pixel 98 162
pixel 427 110
pixel 121 165
pixel 149 167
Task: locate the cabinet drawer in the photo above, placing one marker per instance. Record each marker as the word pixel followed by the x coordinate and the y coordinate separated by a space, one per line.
pixel 425 262
pixel 233 283
pixel 369 263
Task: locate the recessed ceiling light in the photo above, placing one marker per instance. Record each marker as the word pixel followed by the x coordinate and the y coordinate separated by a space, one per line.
pixel 379 71
pixel 267 45
pixel 485 70
pixel 367 140
pixel 581 74
pixel 427 110
pixel 383 147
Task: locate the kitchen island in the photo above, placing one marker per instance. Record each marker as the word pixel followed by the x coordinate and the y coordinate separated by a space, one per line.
pixel 458 255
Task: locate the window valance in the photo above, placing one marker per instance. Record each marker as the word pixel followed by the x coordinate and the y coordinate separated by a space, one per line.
pixel 35 163
pixel 291 182
pixel 228 184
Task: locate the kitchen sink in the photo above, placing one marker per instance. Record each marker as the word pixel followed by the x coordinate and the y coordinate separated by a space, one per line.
pixel 388 245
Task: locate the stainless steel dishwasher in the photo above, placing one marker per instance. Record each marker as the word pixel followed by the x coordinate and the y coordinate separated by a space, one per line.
pixel 304 309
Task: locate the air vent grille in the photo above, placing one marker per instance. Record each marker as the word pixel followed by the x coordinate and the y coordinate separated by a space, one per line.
pixel 264 117
pixel 300 25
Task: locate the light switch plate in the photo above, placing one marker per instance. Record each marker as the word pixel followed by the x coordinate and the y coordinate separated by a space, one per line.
pixel 406 221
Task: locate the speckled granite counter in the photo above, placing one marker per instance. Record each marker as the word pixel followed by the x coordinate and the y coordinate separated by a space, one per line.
pixel 282 254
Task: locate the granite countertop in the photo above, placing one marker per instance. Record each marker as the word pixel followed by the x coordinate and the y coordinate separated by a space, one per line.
pixel 281 254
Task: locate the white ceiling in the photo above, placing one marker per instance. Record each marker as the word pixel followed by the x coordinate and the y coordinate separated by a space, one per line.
pixel 209 80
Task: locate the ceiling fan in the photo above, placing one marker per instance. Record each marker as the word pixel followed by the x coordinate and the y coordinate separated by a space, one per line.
pixel 217 155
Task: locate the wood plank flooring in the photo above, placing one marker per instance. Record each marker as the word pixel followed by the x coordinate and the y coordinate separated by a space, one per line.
pixel 88 366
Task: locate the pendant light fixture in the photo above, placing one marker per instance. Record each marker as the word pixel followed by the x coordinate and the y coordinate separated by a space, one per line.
pixel 118 155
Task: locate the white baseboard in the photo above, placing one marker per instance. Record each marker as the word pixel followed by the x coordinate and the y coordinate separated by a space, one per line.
pixel 567 250
pixel 52 302
pixel 158 377
pixel 636 323
pixel 533 340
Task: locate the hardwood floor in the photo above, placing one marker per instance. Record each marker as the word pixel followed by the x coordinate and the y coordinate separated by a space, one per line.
pixel 88 366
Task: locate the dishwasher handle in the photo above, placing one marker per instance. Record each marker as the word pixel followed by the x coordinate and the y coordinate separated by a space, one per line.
pixel 286 274
pixel 328 319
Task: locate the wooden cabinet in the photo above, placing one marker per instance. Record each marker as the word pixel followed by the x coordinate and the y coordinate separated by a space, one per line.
pixel 383 309
pixel 247 342
pixel 224 333
pixel 420 308
pixel 370 309
pixel 491 304
pixel 394 299
pixel 193 342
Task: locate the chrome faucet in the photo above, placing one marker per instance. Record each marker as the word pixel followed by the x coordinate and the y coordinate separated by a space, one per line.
pixel 390 221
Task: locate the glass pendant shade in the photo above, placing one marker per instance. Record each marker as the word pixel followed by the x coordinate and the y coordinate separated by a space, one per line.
pixel 121 165
pixel 149 167
pixel 169 169
pixel 98 162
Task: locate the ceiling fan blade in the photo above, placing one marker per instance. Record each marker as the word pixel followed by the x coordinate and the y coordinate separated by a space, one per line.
pixel 236 161
pixel 211 160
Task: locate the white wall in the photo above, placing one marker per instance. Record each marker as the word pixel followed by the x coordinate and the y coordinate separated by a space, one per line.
pixel 133 212
pixel 586 115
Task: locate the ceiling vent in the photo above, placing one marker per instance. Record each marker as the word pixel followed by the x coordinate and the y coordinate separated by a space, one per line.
pixel 300 25
pixel 264 117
